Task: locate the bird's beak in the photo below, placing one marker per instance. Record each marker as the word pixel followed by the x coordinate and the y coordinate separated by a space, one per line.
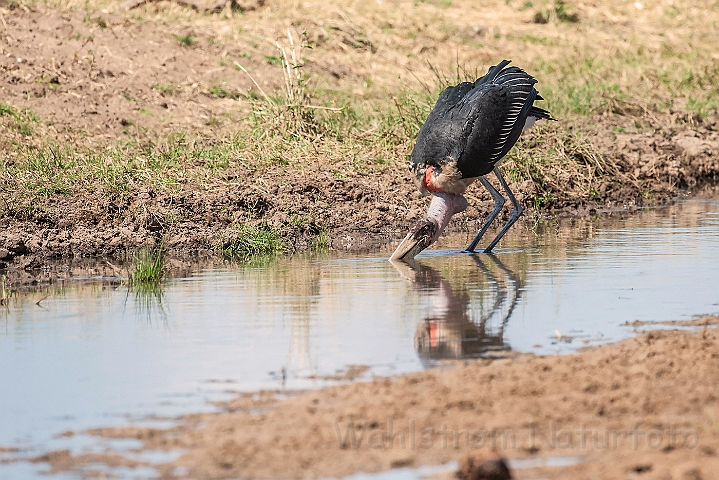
pixel 425 232
pixel 420 237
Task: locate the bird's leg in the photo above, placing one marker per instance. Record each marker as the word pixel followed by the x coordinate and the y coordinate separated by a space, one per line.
pixel 516 211
pixel 498 204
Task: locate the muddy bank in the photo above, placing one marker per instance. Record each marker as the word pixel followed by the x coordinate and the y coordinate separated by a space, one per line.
pixel 645 406
pixel 103 80
pixel 357 212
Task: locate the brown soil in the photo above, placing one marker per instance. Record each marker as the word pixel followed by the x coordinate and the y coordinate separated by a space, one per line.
pixel 47 68
pixel 93 78
pixel 359 212
pixel 646 407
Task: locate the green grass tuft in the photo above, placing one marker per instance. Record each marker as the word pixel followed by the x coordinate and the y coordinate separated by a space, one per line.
pixel 274 60
pixel 7 110
pixel 560 10
pixel 148 268
pixel 563 12
pixel 145 281
pixel 185 40
pixel 321 243
pixel 220 91
pixel 20 120
pixel 251 241
pixel 168 88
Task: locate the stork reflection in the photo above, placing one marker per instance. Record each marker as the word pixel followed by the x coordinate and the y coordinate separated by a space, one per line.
pixel 463 322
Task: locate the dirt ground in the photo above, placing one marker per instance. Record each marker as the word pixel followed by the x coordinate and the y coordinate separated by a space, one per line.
pixel 645 407
pixel 98 78
pixel 358 212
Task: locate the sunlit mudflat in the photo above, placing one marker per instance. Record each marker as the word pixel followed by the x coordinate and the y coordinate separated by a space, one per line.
pixel 91 353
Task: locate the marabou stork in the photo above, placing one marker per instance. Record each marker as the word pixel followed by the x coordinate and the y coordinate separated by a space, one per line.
pixel 470 129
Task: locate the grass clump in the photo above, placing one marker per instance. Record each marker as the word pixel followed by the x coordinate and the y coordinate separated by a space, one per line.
pixel 148 269
pixel 292 113
pixel 20 119
pixel 560 10
pixel 219 91
pixel 274 60
pixel 563 166
pixel 321 242
pixel 145 281
pixel 168 88
pixel 185 40
pixel 7 110
pixel 251 241
pixel 563 12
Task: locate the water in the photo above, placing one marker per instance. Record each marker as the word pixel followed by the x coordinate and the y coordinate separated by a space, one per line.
pixel 91 353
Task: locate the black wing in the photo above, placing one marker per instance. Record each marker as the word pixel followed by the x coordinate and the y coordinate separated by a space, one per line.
pixel 436 138
pixel 476 124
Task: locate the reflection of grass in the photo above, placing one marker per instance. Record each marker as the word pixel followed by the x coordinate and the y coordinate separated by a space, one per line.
pixel 5 291
pixel 147 292
pixel 259 261
pixel 148 299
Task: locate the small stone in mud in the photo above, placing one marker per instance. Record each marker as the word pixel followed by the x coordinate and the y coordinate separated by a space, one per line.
pixel 483 468
pixel 642 468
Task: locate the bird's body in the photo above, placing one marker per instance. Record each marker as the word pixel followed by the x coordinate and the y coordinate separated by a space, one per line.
pixel 472 127
pixel 469 131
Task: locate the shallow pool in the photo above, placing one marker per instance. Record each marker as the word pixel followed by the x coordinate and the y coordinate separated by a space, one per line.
pixel 90 352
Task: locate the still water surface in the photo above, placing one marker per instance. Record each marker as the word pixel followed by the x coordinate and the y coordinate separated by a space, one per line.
pixel 93 353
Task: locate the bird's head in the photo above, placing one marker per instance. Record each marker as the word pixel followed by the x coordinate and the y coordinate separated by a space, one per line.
pixel 425 232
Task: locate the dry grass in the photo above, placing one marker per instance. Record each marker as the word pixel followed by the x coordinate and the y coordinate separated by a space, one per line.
pixel 660 55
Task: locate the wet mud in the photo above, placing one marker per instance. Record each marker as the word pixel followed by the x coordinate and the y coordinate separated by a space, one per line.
pixel 357 214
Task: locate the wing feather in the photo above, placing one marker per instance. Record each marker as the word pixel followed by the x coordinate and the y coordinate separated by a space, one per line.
pixel 476 123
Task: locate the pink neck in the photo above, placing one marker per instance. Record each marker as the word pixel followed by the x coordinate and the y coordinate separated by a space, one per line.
pixel 441 209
